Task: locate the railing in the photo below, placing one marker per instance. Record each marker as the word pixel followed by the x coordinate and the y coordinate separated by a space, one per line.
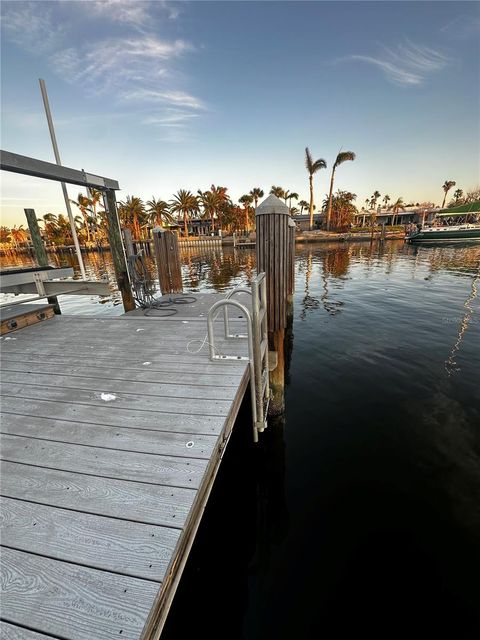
pixel 257 338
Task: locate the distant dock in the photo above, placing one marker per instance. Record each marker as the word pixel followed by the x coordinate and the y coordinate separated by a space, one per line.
pixel 112 435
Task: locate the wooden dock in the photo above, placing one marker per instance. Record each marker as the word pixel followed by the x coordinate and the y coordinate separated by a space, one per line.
pixel 113 430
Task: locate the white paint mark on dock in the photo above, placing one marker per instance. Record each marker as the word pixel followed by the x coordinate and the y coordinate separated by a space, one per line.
pixel 108 397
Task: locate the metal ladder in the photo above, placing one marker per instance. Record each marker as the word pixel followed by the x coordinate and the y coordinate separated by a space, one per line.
pixel 257 337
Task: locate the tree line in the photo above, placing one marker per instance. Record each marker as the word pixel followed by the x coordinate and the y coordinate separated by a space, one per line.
pixel 216 207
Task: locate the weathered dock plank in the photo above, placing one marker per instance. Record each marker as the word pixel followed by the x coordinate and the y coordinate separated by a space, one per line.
pixel 106 415
pixel 144 374
pixel 151 504
pixel 195 364
pixel 96 435
pixel 112 434
pixel 72 601
pixel 109 463
pixel 120 546
pixel 106 384
pixel 189 406
pixel 12 632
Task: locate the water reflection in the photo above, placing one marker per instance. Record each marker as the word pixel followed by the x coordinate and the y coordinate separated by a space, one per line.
pixel 450 363
pixel 359 513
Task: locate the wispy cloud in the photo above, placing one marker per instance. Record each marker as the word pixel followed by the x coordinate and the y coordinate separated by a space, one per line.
pixel 29 28
pixel 117 60
pixel 170 118
pixel 132 13
pixel 177 98
pixel 139 68
pixel 407 64
pixel 136 13
pixel 462 27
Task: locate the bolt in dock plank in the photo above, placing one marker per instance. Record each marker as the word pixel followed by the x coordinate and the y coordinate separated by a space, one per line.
pixel 112 433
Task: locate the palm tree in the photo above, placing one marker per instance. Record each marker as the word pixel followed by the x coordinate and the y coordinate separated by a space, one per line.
pixel 303 204
pixel 50 225
pixel 256 194
pixel 375 197
pixel 63 228
pixel 158 212
pixel 342 157
pixel 210 201
pixel 19 235
pixel 277 191
pixel 96 199
pixel 447 185
pixel 312 168
pixel 397 206
pixel 367 203
pixel 458 195
pixel 246 200
pixel 132 212
pixel 386 200
pixel 185 203
pixel 224 202
pixel 290 197
pixel 83 203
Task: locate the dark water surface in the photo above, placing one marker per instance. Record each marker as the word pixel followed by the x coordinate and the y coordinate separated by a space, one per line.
pixel 359 513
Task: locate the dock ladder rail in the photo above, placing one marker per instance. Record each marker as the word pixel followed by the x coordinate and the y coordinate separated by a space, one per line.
pixel 257 337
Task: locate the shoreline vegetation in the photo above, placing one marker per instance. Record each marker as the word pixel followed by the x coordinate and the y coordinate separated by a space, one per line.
pixel 358 235
pixel 201 215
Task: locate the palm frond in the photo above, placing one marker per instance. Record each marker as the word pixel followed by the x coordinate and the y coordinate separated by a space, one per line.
pixel 308 160
pixel 343 156
pixel 319 164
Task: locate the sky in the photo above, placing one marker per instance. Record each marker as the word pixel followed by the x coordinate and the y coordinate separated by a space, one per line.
pixel 167 95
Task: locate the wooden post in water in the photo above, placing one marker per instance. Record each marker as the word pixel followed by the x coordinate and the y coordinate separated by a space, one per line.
pixel 39 251
pixel 116 248
pixel 273 250
pixel 128 242
pixel 167 256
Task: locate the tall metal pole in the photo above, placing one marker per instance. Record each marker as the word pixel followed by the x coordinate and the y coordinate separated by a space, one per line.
pixel 43 89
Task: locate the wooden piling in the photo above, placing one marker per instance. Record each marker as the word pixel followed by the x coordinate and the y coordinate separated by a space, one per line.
pixel 274 252
pixel 128 242
pixel 39 251
pixel 167 257
pixel 117 251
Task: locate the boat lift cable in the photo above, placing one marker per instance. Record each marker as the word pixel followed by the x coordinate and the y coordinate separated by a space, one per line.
pixel 143 291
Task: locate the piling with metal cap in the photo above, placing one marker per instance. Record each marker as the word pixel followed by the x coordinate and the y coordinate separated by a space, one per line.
pixel 274 255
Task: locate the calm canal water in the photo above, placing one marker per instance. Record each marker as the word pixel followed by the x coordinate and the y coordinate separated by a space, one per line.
pixel 359 513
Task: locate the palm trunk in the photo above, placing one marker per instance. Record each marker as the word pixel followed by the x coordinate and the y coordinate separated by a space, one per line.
pixel 311 201
pixel 185 226
pixel 246 218
pixel 329 210
pixel 213 222
pixel 87 229
pixel 444 199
